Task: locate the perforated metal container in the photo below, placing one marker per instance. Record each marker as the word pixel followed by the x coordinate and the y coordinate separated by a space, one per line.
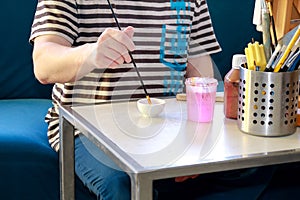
pixel 268 102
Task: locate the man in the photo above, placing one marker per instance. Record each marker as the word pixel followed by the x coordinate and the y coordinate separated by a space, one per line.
pixel 78 48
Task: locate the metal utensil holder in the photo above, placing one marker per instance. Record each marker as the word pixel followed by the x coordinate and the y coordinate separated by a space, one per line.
pixel 268 102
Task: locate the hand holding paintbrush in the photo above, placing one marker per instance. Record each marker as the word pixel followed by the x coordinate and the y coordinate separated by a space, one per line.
pixel 133 62
pixel 112 48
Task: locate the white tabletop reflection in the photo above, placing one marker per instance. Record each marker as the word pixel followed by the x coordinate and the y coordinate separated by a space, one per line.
pixel 171 140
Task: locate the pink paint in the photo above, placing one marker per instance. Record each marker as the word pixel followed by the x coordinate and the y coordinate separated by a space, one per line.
pixel 201 95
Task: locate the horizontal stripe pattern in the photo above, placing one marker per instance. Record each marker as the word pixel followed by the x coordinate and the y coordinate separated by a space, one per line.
pixel 155 22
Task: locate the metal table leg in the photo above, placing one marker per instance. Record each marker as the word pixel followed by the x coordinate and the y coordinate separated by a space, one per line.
pixel 66 160
pixel 141 187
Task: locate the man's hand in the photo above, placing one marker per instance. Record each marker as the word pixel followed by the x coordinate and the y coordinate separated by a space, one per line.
pixel 112 48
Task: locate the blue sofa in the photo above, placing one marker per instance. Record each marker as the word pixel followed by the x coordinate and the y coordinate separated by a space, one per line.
pixel 29 168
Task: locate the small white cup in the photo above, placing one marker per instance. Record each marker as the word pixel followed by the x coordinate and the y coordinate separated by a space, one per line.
pixel 153 109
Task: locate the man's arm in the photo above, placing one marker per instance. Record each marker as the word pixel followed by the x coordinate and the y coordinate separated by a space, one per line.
pixel 55 61
pixel 197 67
pixel 201 66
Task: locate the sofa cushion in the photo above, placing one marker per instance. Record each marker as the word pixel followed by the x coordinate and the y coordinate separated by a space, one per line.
pixel 26 159
pixel 28 165
pixel 22 129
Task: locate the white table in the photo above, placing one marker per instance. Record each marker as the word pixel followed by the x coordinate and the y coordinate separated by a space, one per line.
pixel 166 146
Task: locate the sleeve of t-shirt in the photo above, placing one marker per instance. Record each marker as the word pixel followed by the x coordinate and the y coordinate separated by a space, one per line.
pixel 55 17
pixel 203 40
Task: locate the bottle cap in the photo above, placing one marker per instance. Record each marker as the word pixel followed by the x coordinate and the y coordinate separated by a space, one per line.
pixel 238 60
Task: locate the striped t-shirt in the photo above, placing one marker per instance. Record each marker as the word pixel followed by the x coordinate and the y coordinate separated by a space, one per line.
pixel 167 33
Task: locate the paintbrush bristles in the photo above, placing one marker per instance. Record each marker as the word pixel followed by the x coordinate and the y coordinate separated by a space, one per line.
pixel 148 99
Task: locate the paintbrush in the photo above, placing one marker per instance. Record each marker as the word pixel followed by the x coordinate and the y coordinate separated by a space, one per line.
pixel 272 22
pixel 288 50
pixel 133 62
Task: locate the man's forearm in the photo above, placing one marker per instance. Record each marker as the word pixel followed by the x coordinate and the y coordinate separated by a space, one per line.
pixel 60 64
pixel 201 66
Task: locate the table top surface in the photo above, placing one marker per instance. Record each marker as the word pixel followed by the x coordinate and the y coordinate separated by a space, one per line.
pixel 171 141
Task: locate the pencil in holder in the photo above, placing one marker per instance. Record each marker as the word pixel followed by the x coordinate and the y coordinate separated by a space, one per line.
pixel 268 102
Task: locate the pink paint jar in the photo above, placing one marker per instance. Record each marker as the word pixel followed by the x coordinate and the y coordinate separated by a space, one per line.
pixel 201 96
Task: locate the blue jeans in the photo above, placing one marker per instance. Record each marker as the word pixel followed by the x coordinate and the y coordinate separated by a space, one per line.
pixel 105 179
pixel 99 173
